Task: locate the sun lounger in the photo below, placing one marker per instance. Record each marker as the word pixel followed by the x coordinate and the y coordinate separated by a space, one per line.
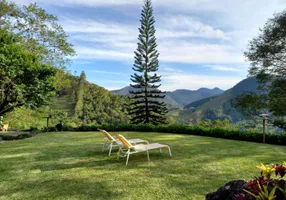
pixel 110 142
pixel 127 149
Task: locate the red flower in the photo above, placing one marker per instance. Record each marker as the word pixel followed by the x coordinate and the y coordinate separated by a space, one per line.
pixel 280 170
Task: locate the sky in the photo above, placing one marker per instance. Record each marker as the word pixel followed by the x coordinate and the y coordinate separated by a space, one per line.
pixel 201 42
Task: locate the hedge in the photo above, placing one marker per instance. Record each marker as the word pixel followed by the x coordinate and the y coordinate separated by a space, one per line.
pixel 278 139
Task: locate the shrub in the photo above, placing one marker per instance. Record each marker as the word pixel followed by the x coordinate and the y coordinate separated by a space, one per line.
pixel 278 139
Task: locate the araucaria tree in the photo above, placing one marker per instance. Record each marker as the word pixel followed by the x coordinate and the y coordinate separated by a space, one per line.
pixel 147 106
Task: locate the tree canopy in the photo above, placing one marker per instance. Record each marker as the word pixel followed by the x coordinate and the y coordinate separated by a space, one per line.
pixel 267 52
pixel 34 54
pixel 24 79
pixel 40 31
pixel 267 56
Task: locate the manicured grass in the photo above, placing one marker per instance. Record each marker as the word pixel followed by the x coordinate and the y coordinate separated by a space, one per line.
pixel 71 166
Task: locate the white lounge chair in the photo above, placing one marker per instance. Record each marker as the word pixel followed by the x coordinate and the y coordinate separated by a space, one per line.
pixel 110 142
pixel 131 149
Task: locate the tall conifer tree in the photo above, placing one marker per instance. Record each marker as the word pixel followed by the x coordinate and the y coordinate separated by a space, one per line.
pixel 80 95
pixel 147 105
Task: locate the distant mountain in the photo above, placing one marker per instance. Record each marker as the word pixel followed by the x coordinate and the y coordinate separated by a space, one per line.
pixel 217 107
pixel 171 103
pixel 179 97
pixel 124 91
pixel 185 97
pixel 199 102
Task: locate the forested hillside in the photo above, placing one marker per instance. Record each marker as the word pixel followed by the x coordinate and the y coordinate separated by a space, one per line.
pixel 78 102
pixel 218 107
pixel 81 102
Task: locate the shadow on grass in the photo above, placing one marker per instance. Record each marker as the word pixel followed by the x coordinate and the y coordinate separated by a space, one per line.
pixel 65 188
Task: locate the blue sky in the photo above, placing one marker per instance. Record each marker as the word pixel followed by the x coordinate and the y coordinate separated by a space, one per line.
pixel 201 42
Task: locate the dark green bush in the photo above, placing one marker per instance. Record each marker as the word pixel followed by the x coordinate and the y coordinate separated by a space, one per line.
pixel 278 139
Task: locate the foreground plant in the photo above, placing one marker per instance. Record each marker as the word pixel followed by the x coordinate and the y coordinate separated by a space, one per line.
pixel 262 192
pixel 266 170
pixel 265 187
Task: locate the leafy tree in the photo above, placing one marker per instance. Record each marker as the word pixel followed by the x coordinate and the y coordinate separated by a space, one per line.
pixel 280 123
pixel 266 54
pixel 24 80
pixel 23 118
pixel 41 32
pixel 7 10
pixel 277 97
pixel 250 103
pixel 146 107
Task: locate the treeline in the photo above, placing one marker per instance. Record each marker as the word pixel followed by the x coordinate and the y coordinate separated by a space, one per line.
pixel 94 104
pixel 77 103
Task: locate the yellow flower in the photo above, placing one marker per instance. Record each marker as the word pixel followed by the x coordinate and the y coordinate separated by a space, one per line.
pixel 266 170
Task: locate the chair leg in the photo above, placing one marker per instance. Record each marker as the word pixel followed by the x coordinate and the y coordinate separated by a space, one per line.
pixel 103 147
pixel 118 153
pixel 170 151
pixel 148 156
pixel 110 149
pixel 127 159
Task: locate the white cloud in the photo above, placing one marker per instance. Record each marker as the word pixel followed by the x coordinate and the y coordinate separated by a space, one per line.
pixel 169 69
pixel 114 81
pixel 189 52
pixel 173 81
pixel 207 32
pixel 82 62
pixel 104 54
pixel 74 25
pixel 184 26
pixel 114 41
pixel 107 3
pixel 227 68
pixel 107 72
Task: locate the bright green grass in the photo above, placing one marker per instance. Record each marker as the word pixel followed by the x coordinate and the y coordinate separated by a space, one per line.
pixel 72 166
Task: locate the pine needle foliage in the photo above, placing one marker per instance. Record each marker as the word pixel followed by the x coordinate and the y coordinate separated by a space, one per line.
pixel 147 106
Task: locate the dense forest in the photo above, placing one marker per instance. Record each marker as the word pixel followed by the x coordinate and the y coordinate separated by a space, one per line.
pixel 78 102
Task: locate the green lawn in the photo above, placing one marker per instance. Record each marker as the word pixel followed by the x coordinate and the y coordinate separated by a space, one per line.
pixel 71 166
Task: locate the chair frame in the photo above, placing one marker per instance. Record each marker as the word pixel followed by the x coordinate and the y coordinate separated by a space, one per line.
pixel 110 142
pixel 130 149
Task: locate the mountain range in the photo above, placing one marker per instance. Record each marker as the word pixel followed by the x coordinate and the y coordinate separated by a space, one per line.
pixel 191 106
pixel 181 97
pixel 216 107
